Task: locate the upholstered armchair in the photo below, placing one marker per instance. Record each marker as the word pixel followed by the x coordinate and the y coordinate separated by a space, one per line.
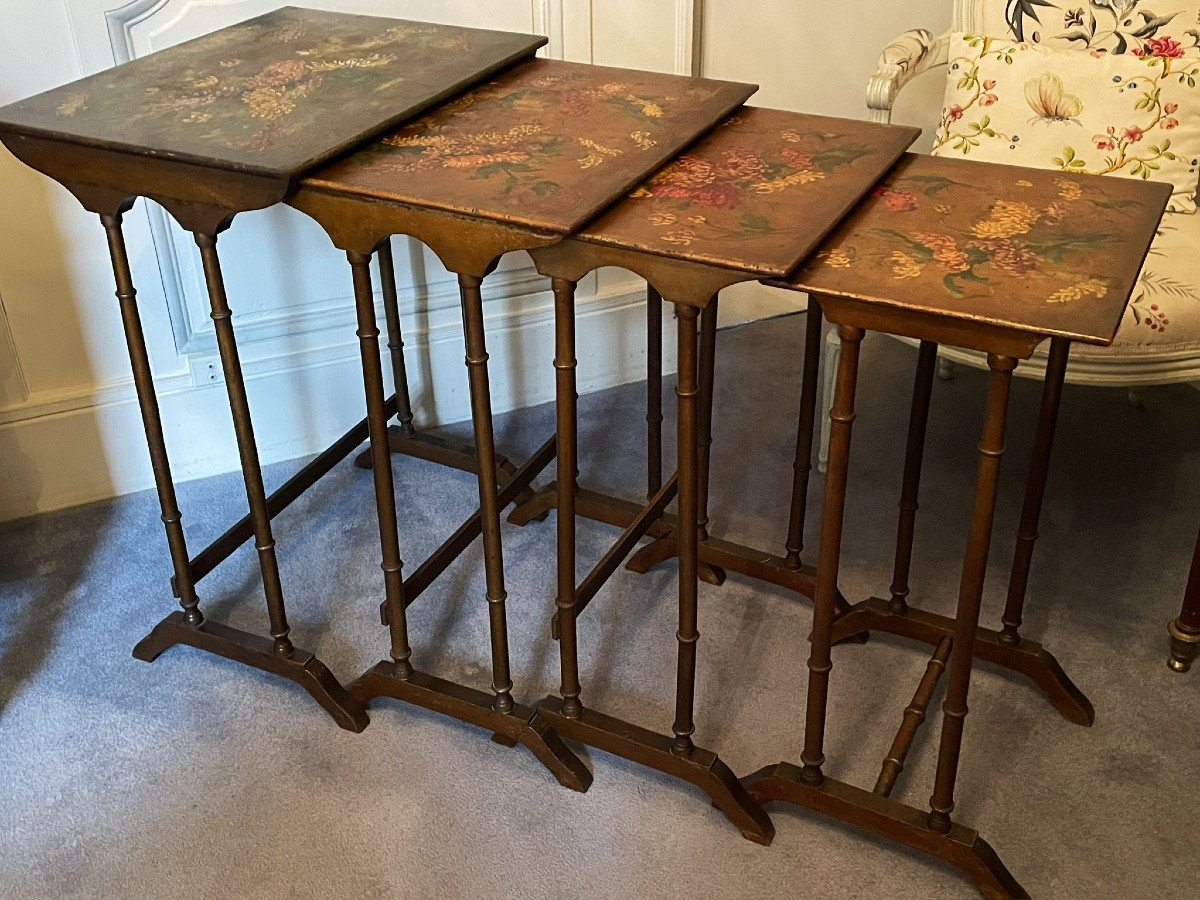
pixel 1159 341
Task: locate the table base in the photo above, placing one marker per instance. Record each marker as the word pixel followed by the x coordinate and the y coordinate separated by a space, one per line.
pixel 700 767
pixel 1026 657
pixel 258 652
pixel 716 557
pixel 962 847
pixel 520 725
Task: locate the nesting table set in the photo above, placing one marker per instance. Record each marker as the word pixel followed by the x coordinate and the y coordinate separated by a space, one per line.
pixel 461 139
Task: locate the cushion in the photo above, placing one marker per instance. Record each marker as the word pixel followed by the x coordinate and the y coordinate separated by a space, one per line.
pixel 1164 312
pixel 1114 26
pixel 1135 115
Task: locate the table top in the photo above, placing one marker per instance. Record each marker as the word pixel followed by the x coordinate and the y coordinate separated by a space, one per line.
pixel 758 194
pixel 545 145
pixel 1027 250
pixel 274 95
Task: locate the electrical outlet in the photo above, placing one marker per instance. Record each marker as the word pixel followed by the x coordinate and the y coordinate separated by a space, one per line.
pixel 207 370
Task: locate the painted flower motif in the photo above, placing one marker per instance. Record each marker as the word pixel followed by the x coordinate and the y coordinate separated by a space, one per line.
pixel 682 238
pixel 643 140
pixel 989 84
pixel 1105 142
pixel 613 89
pixel 1171 108
pixel 479 160
pixel 686 172
pixel 1164 47
pixel 72 104
pixel 1134 134
pixel 793 137
pixel 988 100
pixel 836 258
pixel 946 251
pixel 277 74
pixel 1093 287
pixel 904 266
pixel 663 219
pixel 1008 256
pixel 268 103
pixel 897 200
pixel 954 113
pixel 1007 219
pixel 1169 123
pixel 1069 190
pixel 795 158
pixel 744 164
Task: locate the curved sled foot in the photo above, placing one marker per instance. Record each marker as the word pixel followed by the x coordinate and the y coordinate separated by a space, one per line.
pixel 520 726
pixel 258 652
pixel 665 548
pixel 699 767
pixel 1026 657
pixel 961 847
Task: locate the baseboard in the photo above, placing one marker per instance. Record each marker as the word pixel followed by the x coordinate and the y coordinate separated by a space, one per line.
pixel 66 449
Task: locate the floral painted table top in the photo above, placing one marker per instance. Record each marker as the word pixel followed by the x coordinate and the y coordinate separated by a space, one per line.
pixel 274 95
pixel 1024 249
pixel 758 194
pixel 546 145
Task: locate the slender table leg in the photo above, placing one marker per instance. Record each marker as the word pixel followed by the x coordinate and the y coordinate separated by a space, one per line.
pixel 1035 490
pixel 1005 648
pixel 1185 631
pixel 385 491
pixel 970 597
pixel 667 546
pixel 395 340
pixel 485 449
pixel 654 377
pixel 567 426
pixel 807 785
pixel 404 439
pixel 914 455
pixel 281 657
pixel 511 723
pixel 804 435
pixel 143 381
pixel 677 755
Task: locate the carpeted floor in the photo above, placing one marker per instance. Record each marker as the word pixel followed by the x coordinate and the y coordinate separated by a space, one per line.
pixel 195 777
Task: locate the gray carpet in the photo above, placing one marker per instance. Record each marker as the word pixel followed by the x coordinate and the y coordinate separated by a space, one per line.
pixel 197 777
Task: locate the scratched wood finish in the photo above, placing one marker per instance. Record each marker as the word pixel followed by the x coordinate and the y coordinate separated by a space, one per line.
pixel 1038 252
pixel 274 95
pixel 546 145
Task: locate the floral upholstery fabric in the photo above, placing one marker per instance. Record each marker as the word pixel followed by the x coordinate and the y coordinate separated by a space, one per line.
pixel 1164 312
pixel 1132 115
pixel 1112 26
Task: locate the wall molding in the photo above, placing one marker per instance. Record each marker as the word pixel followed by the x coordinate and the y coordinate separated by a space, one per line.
pixel 689 35
pixel 532 309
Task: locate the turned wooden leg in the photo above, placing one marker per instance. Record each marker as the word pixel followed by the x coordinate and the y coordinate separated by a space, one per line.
pixel 841 417
pixel 243 427
pixel 654 377
pixel 979 538
pixel 395 341
pixel 687 391
pixel 485 448
pixel 567 425
pixel 1035 490
pixel 381 467
pixel 143 382
pixel 913 457
pixel 1185 631
pixel 804 436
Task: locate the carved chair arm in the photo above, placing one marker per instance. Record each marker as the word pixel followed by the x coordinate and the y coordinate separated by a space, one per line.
pixel 902 60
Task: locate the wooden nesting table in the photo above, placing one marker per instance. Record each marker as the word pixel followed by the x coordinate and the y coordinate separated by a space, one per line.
pixel 216 126
pixel 751 200
pixel 989 258
pixel 515 164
